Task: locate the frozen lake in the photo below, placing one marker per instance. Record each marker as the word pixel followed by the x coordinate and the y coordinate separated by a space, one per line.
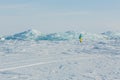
pixel 60 60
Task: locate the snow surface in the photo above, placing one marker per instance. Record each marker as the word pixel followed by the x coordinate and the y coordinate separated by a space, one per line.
pixel 31 55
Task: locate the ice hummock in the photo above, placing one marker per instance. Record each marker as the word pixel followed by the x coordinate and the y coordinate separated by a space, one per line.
pixel 30 34
pixel 59 36
pixel 68 35
pixel 112 35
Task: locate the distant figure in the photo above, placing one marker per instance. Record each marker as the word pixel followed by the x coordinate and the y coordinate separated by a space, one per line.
pixel 80 38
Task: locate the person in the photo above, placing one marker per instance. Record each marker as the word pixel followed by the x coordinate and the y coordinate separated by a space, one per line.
pixel 80 38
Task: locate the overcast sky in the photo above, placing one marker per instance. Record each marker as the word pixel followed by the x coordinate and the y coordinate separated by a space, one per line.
pixel 59 15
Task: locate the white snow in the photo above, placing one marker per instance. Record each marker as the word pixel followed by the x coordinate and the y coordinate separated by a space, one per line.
pixel 60 58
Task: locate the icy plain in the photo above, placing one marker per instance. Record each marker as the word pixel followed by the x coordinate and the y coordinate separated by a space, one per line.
pixel 60 56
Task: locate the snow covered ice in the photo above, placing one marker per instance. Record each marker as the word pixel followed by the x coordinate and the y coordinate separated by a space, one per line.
pixel 32 55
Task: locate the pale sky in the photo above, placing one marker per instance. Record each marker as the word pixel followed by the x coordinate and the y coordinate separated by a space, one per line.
pixel 49 16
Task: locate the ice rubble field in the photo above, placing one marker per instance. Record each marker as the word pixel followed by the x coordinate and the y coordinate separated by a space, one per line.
pixel 60 56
